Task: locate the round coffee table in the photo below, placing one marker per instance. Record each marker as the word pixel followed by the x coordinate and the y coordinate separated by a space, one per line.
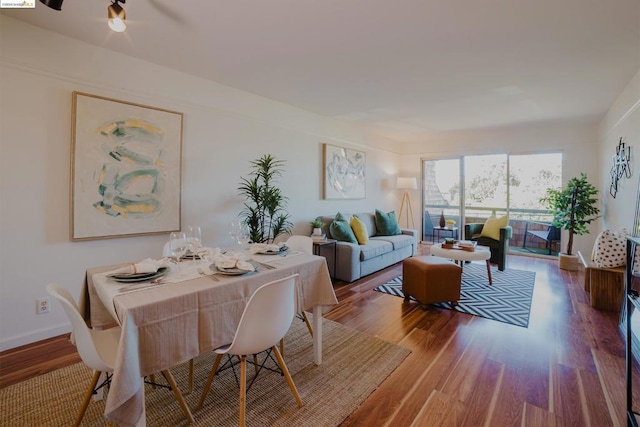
pixel 481 253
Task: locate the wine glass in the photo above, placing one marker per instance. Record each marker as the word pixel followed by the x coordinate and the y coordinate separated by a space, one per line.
pixel 178 245
pixel 194 239
pixel 235 228
pixel 243 236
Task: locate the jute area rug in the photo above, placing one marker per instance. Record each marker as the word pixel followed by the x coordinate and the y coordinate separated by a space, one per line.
pixel 354 365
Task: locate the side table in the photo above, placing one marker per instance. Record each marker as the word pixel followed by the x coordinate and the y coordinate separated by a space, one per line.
pixel 327 249
pixel 437 230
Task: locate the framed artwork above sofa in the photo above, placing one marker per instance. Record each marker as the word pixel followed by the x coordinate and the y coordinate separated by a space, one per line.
pixel 343 172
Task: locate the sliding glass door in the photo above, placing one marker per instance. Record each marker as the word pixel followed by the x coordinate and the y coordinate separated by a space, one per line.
pixel 485 187
pixel 471 188
pixel 441 196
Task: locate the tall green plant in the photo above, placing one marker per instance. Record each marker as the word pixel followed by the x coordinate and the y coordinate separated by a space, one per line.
pixel 265 206
pixel 574 207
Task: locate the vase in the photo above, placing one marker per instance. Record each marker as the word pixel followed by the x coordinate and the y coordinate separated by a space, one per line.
pixel 317 231
pixel 442 220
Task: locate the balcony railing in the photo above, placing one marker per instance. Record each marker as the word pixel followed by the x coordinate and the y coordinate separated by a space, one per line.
pixel 519 220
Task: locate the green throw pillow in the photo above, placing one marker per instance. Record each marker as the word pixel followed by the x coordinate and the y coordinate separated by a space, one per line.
pixel 387 224
pixel 341 230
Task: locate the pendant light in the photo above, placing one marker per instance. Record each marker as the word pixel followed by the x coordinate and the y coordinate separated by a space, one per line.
pixel 117 16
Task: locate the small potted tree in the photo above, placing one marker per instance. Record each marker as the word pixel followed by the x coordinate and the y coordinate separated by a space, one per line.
pixel 573 209
pixel 264 210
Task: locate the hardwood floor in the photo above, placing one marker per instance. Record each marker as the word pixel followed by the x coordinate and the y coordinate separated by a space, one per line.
pixel 565 369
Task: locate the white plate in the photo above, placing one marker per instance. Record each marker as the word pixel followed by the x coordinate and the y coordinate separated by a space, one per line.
pixel 139 277
pixel 232 271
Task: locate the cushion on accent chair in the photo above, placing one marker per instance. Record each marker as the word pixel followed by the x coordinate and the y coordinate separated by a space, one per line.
pixel 492 226
pixel 341 230
pixel 387 224
pixel 360 230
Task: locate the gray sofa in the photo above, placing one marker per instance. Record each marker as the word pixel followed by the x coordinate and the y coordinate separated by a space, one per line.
pixel 354 261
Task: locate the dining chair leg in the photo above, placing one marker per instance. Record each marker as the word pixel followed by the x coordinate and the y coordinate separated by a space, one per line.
pixel 190 376
pixel 87 397
pixel 306 321
pixel 178 395
pixel 207 386
pixel 243 389
pixel 282 345
pixel 152 380
pixel 255 363
pixel 285 371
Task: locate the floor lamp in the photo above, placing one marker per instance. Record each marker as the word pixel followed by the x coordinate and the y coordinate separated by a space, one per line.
pixel 406 184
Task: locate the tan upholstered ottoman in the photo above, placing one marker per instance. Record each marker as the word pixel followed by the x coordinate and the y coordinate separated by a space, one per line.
pixel 431 279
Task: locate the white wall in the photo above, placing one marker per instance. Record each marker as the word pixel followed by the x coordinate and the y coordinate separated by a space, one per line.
pixel 223 130
pixel 578 143
pixel 622 121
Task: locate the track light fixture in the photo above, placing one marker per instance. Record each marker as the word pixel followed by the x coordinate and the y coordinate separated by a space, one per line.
pixel 117 16
pixel 53 4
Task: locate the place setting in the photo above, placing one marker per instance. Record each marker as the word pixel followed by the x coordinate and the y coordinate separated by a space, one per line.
pixel 142 274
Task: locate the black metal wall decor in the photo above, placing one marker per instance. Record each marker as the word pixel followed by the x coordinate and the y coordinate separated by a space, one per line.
pixel 620 167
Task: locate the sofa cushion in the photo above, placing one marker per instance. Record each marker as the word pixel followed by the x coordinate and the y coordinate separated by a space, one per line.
pixel 375 248
pixel 360 230
pixel 398 241
pixel 341 230
pixel 492 226
pixel 386 223
pixel 369 220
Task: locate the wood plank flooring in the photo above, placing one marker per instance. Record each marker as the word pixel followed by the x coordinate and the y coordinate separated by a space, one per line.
pixel 565 369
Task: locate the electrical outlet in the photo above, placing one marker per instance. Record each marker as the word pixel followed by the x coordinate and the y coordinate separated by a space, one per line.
pixel 42 305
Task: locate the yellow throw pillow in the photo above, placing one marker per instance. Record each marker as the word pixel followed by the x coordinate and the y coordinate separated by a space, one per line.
pixel 491 228
pixel 360 230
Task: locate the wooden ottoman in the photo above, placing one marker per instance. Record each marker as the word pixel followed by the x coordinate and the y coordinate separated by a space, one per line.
pixel 431 279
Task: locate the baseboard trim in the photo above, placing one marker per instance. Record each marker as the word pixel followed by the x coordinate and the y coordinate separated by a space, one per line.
pixel 39 335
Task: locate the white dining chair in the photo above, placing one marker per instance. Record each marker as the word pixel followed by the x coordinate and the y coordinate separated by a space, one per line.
pixel 300 243
pixel 98 349
pixel 265 320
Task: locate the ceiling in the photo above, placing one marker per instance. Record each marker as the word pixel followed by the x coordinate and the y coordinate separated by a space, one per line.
pixel 411 68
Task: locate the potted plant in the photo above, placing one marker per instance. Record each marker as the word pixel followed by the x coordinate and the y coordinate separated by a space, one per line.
pixel 573 209
pixel 317 225
pixel 264 210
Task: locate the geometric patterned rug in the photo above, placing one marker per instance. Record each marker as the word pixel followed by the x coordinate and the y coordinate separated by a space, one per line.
pixel 508 300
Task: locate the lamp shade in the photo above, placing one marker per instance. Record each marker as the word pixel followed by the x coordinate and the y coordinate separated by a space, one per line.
pixel 407 183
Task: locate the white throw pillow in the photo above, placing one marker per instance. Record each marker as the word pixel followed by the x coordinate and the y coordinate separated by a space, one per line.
pixel 610 249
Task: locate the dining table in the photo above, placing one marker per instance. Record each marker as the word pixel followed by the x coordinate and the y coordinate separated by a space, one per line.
pixel 192 309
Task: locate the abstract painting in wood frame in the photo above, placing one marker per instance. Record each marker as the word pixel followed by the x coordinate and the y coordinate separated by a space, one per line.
pixel 126 167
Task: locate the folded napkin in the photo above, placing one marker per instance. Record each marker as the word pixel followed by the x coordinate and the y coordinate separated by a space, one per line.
pixel 225 262
pixel 257 248
pixel 209 253
pixel 145 266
